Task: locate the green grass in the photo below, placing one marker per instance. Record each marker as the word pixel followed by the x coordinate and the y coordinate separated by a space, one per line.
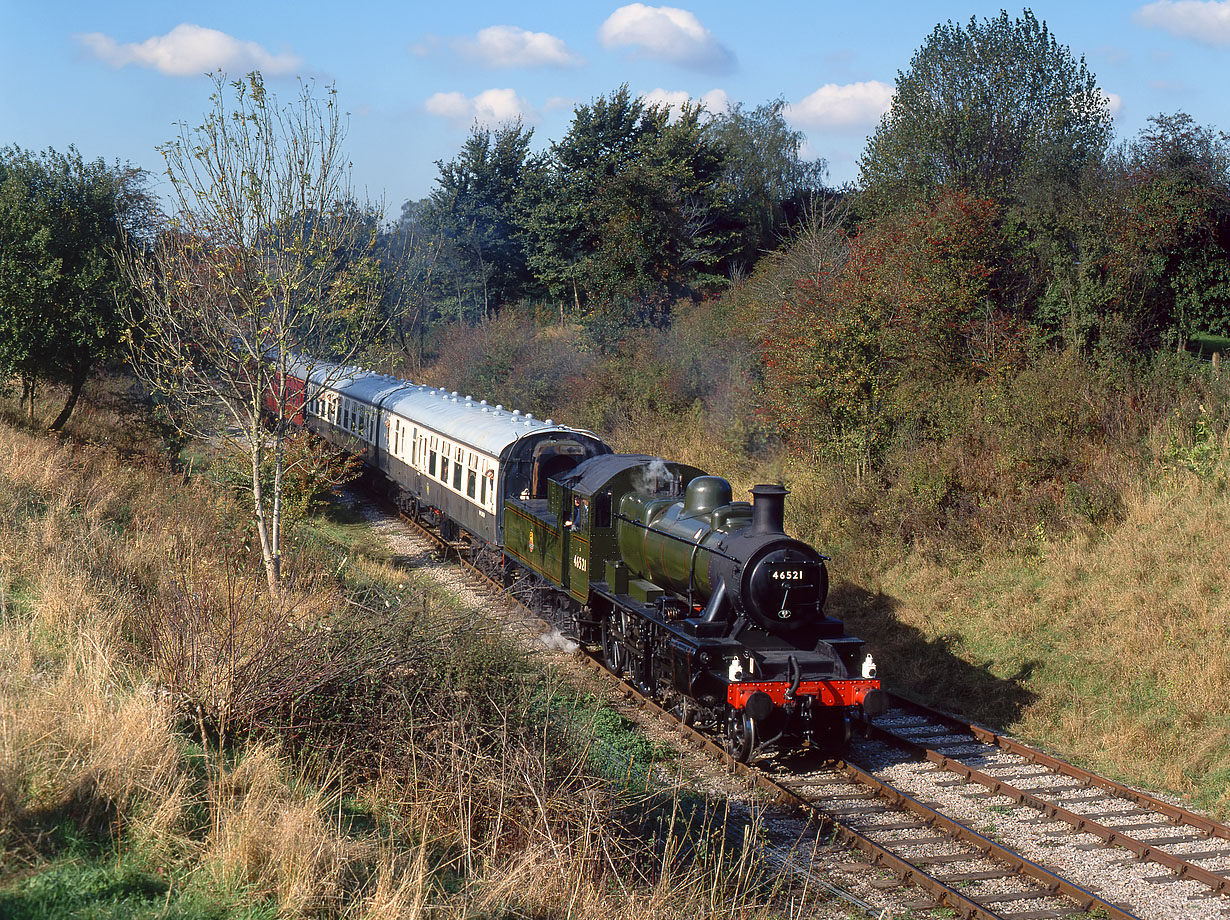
pixel 620 750
pixel 84 880
pixel 341 526
pixel 1203 343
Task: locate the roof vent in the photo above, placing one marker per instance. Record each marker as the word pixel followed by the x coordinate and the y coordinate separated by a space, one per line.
pixel 498 407
pixel 530 416
pixel 454 392
pixel 516 411
pixel 550 422
pixel 483 402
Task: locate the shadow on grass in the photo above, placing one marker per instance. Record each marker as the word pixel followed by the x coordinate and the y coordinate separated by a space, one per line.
pixel 68 861
pixel 931 670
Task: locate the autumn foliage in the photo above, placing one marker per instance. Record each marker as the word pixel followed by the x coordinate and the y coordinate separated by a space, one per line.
pixel 909 300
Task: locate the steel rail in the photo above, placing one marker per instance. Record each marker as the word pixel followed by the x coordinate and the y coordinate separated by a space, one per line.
pixel 1084 824
pixel 1176 813
pixel 1047 879
pixel 945 896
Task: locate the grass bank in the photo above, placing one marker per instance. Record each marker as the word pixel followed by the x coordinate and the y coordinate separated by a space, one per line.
pixel 174 743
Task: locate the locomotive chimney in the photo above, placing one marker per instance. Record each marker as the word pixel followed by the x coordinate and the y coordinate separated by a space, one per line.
pixel 769 508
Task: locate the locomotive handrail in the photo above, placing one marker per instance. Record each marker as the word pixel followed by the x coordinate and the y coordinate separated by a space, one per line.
pixel 671 536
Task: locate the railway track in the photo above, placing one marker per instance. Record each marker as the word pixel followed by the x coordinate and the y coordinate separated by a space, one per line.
pixel 953 865
pixel 1188 846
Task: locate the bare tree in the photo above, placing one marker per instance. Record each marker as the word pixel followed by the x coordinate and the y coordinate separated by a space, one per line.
pixel 267 259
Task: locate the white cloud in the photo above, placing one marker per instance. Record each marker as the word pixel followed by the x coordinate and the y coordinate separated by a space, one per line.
pixel 1205 21
pixel 425 46
pixel 490 107
pixel 1114 102
pixel 512 46
pixel 852 105
pixel 716 102
pixel 190 50
pixel 668 33
pixel 555 103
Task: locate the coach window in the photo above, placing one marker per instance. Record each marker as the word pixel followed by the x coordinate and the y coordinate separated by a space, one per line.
pixel 457 469
pixel 444 463
pixel 414 446
pixel 472 483
pixel 431 461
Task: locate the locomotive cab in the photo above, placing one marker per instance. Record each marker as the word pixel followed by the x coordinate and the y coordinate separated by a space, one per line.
pixel 551 459
pixel 532 462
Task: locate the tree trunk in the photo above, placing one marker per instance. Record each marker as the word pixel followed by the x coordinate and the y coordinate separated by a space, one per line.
pixel 268 553
pixel 27 393
pixel 76 384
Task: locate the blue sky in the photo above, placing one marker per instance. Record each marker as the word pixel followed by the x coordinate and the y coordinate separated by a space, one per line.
pixel 114 79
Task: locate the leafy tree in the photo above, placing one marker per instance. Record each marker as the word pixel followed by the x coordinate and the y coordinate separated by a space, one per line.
pixel 62 221
pixel 994 108
pixel 621 213
pixel 1169 231
pixel 766 184
pixel 410 256
pixel 909 301
pixel 473 214
pixel 266 248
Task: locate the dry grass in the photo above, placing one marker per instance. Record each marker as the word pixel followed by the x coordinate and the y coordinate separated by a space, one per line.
pixel 132 658
pixel 1111 644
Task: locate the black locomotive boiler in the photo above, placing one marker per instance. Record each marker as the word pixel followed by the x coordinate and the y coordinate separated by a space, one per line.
pixel 704 602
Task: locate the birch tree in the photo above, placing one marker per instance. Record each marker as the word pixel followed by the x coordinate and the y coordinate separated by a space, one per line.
pixel 268 255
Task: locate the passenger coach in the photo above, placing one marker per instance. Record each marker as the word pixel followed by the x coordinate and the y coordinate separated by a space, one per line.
pixel 448 456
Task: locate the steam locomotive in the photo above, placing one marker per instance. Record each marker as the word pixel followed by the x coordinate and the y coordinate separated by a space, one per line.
pixel 704 602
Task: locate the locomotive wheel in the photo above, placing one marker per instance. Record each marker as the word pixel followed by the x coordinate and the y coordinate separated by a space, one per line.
pixel 740 736
pixel 613 651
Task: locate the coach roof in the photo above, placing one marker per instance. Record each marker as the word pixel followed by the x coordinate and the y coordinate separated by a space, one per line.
pixel 486 428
